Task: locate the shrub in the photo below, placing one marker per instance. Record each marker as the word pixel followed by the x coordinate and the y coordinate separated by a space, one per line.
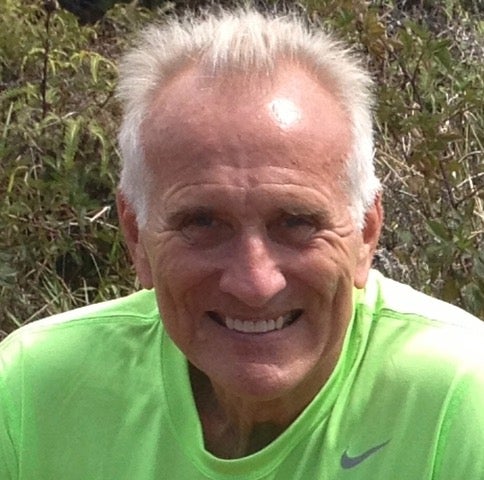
pixel 60 244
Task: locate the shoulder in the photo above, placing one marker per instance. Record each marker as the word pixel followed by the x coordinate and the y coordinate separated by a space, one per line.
pixel 135 307
pixel 420 380
pixel 423 334
pixel 386 296
pixel 79 331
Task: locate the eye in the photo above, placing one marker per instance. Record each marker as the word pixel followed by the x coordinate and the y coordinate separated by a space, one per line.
pixel 293 229
pixel 204 229
pixel 201 220
pixel 297 221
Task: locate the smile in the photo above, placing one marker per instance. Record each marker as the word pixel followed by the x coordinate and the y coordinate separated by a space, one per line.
pixel 256 325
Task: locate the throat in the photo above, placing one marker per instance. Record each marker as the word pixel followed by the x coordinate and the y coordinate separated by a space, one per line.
pixel 228 436
pixel 228 442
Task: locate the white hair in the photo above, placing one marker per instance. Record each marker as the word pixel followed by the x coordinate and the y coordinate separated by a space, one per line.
pixel 248 41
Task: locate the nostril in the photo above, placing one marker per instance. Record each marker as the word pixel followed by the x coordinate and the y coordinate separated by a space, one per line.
pixel 254 286
pixel 252 274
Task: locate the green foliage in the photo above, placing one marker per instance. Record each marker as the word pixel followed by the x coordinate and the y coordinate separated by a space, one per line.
pixel 427 62
pixel 430 118
pixel 60 245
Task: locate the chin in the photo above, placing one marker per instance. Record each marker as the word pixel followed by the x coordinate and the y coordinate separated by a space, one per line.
pixel 259 381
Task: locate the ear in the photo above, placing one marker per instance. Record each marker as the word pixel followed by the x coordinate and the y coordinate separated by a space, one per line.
pixel 129 227
pixel 370 235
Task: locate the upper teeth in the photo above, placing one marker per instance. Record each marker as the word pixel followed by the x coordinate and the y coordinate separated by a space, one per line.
pixel 255 326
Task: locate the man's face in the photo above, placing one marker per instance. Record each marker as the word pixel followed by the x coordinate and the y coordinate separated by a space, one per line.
pixel 250 244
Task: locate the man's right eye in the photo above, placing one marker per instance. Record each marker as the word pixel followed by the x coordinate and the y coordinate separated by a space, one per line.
pixel 205 230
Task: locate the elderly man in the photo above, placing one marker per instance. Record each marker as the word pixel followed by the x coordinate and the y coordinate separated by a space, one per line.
pixel 262 347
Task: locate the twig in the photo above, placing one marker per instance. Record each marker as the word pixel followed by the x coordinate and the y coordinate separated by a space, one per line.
pixel 50 6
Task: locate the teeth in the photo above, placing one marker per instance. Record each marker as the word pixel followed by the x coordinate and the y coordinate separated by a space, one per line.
pixel 260 326
pixel 256 326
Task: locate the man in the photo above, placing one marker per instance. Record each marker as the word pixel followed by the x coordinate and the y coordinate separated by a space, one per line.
pixel 262 347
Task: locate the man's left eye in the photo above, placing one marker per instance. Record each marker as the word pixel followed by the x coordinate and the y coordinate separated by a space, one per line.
pixel 201 220
pixel 293 229
pixel 297 221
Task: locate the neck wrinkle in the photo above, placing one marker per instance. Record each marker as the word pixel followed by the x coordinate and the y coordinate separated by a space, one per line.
pixel 233 428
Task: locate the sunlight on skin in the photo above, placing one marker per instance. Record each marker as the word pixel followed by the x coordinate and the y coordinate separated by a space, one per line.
pixel 249 223
pixel 285 112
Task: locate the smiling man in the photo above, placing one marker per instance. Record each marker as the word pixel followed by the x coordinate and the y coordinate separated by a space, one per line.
pixel 262 345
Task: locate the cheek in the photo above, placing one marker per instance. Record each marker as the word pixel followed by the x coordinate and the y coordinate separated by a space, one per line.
pixel 331 277
pixel 185 271
pixel 325 266
pixel 182 279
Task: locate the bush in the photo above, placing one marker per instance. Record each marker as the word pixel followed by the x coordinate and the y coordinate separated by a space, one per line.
pixel 60 244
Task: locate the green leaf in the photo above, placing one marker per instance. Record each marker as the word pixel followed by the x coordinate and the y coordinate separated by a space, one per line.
pixel 439 230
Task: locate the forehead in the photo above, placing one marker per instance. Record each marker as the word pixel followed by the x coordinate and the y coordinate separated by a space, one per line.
pixel 286 121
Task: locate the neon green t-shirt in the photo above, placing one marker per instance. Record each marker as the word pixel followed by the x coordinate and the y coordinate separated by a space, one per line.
pixel 102 393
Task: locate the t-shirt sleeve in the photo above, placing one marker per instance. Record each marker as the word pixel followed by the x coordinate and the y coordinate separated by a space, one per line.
pixel 8 458
pixel 460 452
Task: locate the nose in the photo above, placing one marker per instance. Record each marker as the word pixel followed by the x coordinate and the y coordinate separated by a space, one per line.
pixel 252 274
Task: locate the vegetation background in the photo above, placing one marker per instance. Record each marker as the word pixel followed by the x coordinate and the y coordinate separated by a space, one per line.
pixel 60 246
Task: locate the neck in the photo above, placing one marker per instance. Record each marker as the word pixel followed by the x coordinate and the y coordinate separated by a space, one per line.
pixel 234 427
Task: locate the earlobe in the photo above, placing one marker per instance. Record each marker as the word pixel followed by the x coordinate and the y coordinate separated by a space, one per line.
pixel 369 241
pixel 131 232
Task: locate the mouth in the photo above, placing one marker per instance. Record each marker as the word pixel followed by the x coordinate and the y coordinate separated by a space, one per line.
pixel 256 325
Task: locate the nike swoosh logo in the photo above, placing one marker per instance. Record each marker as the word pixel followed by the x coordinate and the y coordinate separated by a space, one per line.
pixel 348 462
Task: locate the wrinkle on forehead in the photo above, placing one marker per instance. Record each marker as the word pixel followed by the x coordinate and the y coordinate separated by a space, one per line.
pixel 289 95
pixel 291 194
pixel 287 121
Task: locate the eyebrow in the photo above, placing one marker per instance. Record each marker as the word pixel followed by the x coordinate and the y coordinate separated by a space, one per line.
pixel 291 208
pixel 322 215
pixel 298 209
pixel 177 216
